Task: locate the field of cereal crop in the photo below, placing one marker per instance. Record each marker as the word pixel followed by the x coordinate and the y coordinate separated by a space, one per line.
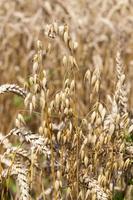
pixel 66 100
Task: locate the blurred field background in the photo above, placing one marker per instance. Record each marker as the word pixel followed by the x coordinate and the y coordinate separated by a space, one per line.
pixel 100 27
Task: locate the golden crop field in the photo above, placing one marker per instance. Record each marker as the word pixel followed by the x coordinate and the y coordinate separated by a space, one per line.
pixel 66 100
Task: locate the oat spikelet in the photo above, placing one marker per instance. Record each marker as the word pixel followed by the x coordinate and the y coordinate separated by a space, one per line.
pixel 13 88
